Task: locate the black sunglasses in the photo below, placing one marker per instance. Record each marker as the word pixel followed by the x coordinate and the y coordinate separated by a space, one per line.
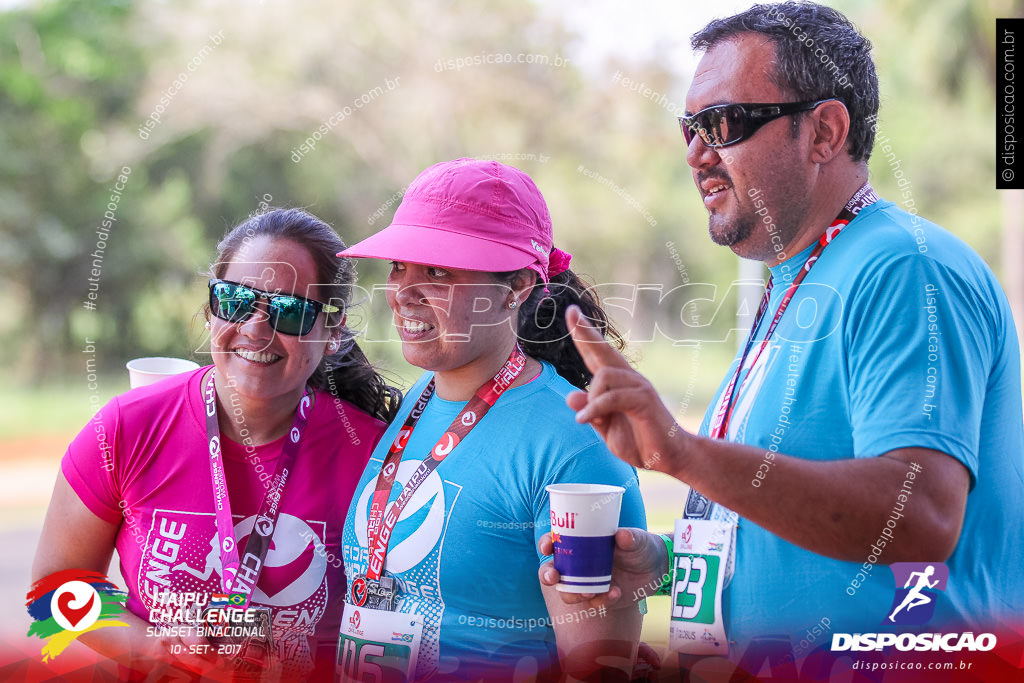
pixel 727 124
pixel 288 314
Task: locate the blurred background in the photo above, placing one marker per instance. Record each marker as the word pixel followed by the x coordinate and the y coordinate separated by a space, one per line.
pixel 209 111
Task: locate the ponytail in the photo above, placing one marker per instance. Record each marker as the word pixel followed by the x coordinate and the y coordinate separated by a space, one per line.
pixel 544 334
pixel 349 375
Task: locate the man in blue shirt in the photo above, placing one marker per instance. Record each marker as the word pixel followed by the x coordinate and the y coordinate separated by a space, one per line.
pixel 874 415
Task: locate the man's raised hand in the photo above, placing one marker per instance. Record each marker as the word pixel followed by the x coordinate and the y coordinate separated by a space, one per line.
pixel 621 404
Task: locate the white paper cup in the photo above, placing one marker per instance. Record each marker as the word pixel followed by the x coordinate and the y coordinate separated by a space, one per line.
pixel 144 371
pixel 584 519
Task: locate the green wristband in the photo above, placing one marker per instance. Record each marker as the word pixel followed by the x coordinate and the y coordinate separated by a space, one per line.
pixel 666 582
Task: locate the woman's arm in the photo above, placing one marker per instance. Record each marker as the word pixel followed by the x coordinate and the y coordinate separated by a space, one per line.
pixel 75 538
pixel 593 638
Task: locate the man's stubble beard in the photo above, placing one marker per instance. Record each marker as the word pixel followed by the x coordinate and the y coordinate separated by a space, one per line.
pixel 727 234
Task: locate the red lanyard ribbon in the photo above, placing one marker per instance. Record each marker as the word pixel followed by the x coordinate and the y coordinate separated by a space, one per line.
pixel 380 525
pixel 862 198
pixel 237 577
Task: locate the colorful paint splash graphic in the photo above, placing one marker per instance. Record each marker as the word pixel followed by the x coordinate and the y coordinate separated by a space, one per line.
pixel 69 603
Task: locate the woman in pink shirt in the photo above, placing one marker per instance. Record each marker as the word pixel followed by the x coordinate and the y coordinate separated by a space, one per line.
pixel 233 480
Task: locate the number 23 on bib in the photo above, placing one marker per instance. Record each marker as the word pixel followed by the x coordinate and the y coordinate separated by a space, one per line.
pixel 700 549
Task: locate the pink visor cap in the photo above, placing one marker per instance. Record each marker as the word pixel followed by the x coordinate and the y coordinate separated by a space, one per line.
pixel 471 215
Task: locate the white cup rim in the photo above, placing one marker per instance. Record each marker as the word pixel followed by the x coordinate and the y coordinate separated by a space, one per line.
pixel 584 489
pixel 152 369
pixel 145 364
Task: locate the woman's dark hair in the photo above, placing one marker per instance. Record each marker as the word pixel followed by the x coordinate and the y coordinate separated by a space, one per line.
pixel 346 374
pixel 543 332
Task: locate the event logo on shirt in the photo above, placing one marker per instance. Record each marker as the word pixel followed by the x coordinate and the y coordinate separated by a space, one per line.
pixel 295 566
pixel 68 603
pixel 183 554
pixel 414 552
pixel 914 603
pixel 412 546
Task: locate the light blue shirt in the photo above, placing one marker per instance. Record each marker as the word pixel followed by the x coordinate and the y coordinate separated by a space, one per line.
pixel 465 550
pixel 900 336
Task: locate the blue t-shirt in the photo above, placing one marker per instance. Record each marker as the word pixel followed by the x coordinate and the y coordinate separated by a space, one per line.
pixel 464 551
pixel 900 336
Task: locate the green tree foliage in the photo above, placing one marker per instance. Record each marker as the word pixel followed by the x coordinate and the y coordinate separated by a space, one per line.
pixel 67 70
pixel 376 92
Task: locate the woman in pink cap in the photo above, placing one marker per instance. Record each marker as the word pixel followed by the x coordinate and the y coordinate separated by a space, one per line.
pixel 441 539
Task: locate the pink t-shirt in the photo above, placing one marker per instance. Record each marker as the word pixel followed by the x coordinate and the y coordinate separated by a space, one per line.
pixel 142 462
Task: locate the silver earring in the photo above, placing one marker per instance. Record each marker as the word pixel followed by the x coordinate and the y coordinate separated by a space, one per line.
pixel 208 325
pixel 333 347
pixel 513 304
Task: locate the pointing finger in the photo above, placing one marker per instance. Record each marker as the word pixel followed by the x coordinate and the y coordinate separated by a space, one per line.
pixel 594 349
pixel 577 400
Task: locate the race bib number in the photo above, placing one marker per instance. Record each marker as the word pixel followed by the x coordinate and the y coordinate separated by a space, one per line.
pixel 378 646
pixel 700 549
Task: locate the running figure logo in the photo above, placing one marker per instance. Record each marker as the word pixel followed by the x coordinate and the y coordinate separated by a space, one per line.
pixel 914 603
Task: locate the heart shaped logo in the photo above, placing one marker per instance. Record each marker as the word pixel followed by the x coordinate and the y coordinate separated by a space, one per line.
pixel 69 602
pixel 74 614
pixel 75 606
pixel 275 579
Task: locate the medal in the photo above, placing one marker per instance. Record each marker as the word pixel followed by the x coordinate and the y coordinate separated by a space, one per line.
pixel 253 653
pixel 380 594
pixel 375 593
pixel 257 651
pixel 359 591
